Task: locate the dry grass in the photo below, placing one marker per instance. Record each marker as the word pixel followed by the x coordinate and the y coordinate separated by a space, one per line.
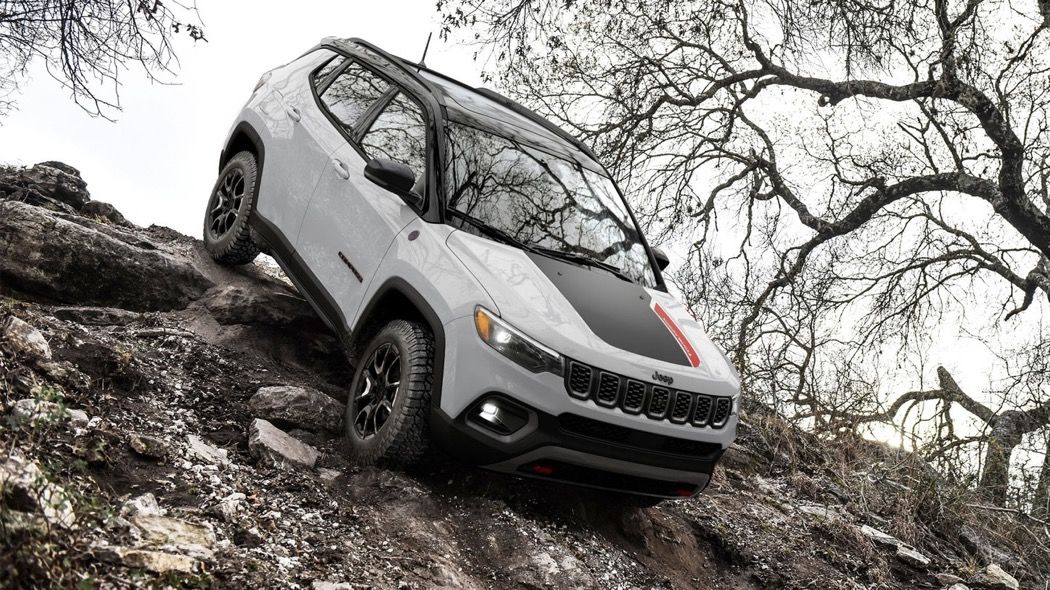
pixel 898 492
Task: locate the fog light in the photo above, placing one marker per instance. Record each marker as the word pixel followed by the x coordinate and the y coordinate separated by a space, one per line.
pixel 500 416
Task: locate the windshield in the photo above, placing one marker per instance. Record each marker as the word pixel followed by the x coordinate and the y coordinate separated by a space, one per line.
pixel 543 200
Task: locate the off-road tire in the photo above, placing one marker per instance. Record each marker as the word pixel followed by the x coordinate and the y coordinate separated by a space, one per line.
pixel 404 438
pixel 236 244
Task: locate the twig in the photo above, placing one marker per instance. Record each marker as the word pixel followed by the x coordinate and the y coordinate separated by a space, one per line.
pixel 1013 510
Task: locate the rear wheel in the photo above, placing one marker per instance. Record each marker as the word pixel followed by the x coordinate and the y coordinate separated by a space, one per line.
pixel 389 403
pixel 227 235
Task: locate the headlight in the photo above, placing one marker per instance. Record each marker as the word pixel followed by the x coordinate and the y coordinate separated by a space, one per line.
pixel 514 345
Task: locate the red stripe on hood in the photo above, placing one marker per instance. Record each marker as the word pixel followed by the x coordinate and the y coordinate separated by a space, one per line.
pixel 687 347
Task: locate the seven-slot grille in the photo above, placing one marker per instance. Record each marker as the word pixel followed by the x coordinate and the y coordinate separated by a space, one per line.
pixel 658 402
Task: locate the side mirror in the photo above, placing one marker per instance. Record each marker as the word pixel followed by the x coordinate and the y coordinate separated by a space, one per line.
pixel 661 258
pixel 394 176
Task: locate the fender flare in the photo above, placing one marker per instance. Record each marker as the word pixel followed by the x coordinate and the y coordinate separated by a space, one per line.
pixel 401 287
pixel 245 130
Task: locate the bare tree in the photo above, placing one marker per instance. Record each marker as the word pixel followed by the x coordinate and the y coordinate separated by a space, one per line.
pixel 1041 498
pixel 86 44
pixel 850 177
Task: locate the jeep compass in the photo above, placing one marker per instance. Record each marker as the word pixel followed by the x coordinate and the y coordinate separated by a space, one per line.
pixel 492 287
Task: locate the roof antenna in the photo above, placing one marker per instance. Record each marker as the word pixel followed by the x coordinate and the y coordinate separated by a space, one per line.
pixel 424 58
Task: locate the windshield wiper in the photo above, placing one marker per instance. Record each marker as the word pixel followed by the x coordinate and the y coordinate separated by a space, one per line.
pixel 502 236
pixel 492 232
pixel 583 259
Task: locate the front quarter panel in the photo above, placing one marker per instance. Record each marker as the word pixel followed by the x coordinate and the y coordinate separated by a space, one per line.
pixel 419 257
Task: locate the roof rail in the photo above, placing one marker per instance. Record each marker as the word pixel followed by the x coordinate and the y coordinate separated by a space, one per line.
pixel 412 70
pixel 400 64
pixel 535 117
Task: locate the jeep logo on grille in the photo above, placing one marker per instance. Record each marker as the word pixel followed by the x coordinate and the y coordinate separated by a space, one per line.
pixel 665 379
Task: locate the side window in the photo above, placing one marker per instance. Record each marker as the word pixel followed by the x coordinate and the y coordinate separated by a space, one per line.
pixel 399 133
pixel 352 92
pixel 323 73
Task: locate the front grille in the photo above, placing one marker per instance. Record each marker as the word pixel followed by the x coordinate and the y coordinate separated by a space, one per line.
pixel 608 390
pixel 682 403
pixel 580 381
pixel 723 408
pixel 702 411
pixel 634 397
pixel 657 402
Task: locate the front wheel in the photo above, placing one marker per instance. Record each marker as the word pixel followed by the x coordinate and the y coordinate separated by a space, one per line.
pixel 227 235
pixel 388 409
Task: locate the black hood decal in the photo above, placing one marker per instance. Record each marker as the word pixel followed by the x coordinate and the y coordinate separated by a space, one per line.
pixel 617 311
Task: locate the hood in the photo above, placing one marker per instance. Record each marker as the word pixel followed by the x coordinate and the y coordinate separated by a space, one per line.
pixel 595 317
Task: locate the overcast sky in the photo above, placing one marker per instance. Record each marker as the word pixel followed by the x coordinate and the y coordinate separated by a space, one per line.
pixel 157 162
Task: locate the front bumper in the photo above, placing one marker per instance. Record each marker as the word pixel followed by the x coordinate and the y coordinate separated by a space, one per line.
pixel 565 439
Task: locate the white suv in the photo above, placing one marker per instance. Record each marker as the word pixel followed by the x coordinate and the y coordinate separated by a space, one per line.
pixel 485 274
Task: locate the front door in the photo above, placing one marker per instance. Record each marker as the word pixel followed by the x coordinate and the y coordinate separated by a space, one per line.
pixel 351 222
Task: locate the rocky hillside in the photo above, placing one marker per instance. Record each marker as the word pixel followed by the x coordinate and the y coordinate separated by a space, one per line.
pixel 168 422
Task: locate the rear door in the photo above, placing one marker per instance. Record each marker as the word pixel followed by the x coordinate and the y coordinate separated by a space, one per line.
pixel 351 222
pixel 292 163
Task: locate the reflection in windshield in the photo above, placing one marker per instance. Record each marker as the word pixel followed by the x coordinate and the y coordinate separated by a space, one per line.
pixel 542 200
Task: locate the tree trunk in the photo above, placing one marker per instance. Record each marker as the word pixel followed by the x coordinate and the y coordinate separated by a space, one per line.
pixel 1041 501
pixel 1005 435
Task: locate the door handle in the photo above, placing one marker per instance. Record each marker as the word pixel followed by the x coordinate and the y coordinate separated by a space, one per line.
pixel 294 113
pixel 341 169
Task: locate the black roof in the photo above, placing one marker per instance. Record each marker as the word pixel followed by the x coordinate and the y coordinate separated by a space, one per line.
pixel 483 108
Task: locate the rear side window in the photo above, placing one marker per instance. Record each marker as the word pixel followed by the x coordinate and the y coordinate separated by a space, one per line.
pixel 399 133
pixel 352 92
pixel 322 74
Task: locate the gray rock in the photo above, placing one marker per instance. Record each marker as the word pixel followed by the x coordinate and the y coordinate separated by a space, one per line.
pixel 311 438
pixel 976 544
pixel 46 181
pixel 45 254
pixel 22 338
pixel 38 411
pixel 272 306
pixel 912 557
pixel 148 446
pixel 103 211
pixel 199 450
pixel 328 476
pixel 270 445
pixel 958 587
pixel 879 537
pixel 947 579
pixel 152 527
pixel 187 537
pixel 298 407
pixel 144 505
pixel 159 562
pixel 96 316
pixel 231 505
pixel 23 487
pixel 994 578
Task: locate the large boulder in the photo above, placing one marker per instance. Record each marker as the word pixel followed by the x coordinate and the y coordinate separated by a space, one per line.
pixel 297 407
pixel 266 304
pixel 45 254
pixel 46 183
